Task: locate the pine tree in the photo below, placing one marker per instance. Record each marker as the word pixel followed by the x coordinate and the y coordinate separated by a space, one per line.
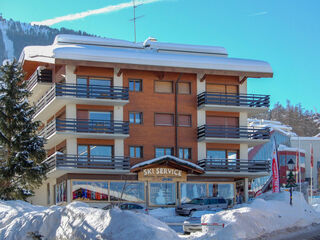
pixel 21 168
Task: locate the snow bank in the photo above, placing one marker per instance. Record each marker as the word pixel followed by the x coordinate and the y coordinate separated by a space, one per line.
pixel 78 221
pixel 271 212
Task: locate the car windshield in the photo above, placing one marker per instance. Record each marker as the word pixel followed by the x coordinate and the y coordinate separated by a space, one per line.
pixel 196 201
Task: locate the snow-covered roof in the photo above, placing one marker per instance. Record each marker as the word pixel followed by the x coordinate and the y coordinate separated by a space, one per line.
pixel 273 125
pixel 165 157
pixel 282 147
pixel 72 47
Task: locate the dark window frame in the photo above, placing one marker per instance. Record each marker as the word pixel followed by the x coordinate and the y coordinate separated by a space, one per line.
pixel 190 153
pixel 141 118
pixel 172 86
pixel 165 125
pixel 134 80
pixel 164 147
pixel 135 152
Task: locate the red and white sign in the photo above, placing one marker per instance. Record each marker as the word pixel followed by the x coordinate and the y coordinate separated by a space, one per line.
pixel 275 172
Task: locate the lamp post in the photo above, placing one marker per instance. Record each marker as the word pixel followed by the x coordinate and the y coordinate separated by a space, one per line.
pixel 291 181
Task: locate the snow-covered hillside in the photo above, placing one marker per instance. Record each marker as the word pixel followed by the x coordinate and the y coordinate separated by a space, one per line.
pixel 14 36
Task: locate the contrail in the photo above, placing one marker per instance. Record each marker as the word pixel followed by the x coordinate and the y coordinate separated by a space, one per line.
pixel 258 14
pixel 80 15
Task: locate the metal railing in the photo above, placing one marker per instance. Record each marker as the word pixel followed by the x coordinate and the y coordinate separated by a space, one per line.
pixel 85 126
pixel 94 162
pixel 230 99
pixel 82 91
pixel 234 165
pixel 40 75
pixel 216 131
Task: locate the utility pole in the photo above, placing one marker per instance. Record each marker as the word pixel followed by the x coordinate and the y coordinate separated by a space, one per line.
pixel 135 18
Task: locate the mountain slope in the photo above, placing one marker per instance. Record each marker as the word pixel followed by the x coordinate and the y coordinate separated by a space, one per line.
pixel 14 36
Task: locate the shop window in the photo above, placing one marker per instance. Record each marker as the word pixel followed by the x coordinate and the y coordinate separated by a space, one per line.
pixel 135 117
pixel 160 151
pixel 225 191
pixel 164 119
pixel 90 190
pixel 184 120
pixel 136 152
pixel 61 192
pixel 162 194
pixel 135 85
pixel 190 191
pixel 185 153
pixel 184 88
pixel 163 86
pixel 127 191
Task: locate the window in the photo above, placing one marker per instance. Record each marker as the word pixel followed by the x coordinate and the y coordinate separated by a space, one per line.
pixel 61 192
pixel 127 191
pixel 162 193
pixel 184 120
pixel 190 191
pixel 88 87
pixel 163 86
pixel 184 88
pixel 135 117
pixel 164 119
pixel 136 152
pixel 220 88
pixel 231 155
pixel 222 190
pixel 94 152
pixel 90 190
pixel 185 153
pixel 135 85
pixel 163 151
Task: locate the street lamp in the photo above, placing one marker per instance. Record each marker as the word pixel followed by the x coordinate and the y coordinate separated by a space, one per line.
pixel 291 181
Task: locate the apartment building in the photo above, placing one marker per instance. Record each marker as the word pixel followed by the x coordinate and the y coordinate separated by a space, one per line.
pixel 155 123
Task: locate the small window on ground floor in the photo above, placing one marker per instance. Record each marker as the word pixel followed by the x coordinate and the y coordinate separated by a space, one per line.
pixel 185 153
pixel 162 151
pixel 61 192
pixel 136 152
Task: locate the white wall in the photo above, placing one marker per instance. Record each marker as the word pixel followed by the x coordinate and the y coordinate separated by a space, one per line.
pixel 71 77
pixel 201 118
pixel 305 143
pixel 41 194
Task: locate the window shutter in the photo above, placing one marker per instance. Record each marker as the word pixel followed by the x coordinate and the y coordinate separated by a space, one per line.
pixel 164 119
pixel 163 87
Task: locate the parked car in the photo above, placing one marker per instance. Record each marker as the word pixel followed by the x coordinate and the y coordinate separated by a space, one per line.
pixel 205 203
pixel 130 206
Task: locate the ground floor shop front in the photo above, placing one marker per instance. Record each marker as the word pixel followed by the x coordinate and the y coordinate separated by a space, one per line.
pixel 160 183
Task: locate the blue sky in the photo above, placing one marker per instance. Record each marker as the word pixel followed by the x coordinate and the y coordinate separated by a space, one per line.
pixel 286 33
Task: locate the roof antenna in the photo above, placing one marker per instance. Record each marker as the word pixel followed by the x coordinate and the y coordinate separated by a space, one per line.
pixel 135 18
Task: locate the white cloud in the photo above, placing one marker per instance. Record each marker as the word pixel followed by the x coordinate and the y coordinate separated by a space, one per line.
pixel 258 14
pixel 80 15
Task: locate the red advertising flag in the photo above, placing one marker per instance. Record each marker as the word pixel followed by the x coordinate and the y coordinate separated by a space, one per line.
pixel 297 159
pixel 275 172
pixel 311 156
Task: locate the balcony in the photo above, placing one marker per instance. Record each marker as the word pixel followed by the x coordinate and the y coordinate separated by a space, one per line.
pixel 61 94
pixel 225 134
pixel 39 82
pixel 76 163
pixel 60 129
pixel 211 101
pixel 235 167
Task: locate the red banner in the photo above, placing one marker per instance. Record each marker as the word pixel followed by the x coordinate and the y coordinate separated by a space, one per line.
pixel 275 173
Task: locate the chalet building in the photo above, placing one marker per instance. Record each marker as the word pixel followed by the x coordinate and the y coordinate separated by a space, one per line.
pixel 155 123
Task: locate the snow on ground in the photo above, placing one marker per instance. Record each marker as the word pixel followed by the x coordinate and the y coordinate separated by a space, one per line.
pixel 271 212
pixel 78 221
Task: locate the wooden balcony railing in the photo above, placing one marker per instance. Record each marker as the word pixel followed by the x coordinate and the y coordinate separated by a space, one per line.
pixel 82 91
pixel 85 126
pixel 40 75
pixel 93 162
pixel 243 100
pixel 216 131
pixel 234 165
